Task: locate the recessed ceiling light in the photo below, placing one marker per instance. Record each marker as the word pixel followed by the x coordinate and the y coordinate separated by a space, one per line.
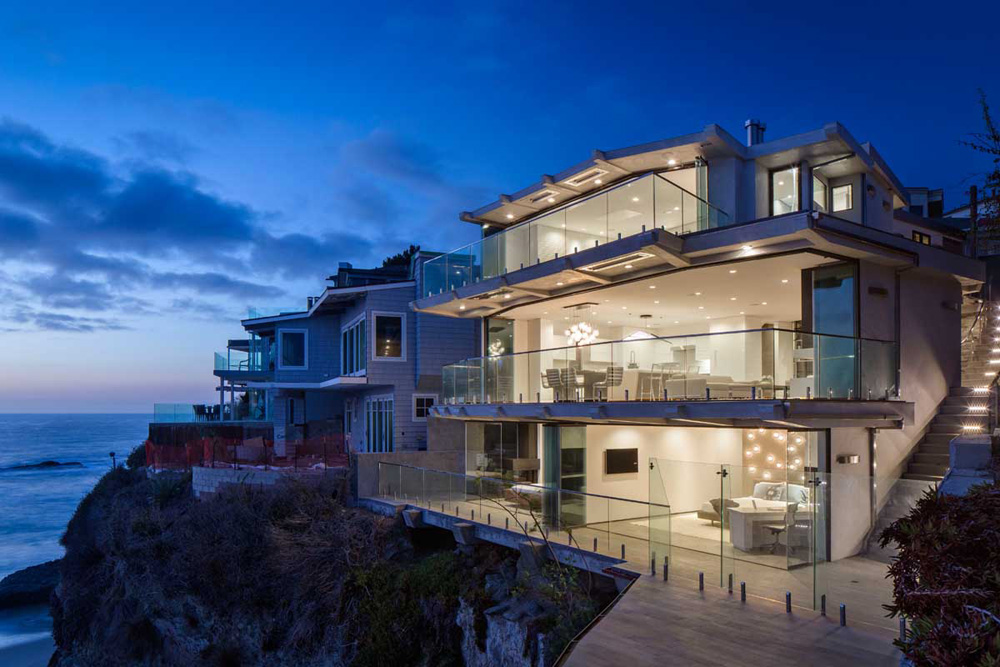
pixel 732 298
pixel 732 270
pixel 747 247
pixel 701 307
pixel 486 226
pixel 763 303
pixel 558 284
pixel 652 287
pixel 609 321
pixel 462 307
pixel 607 300
pixel 781 182
pixel 656 302
pixel 671 162
pixel 785 280
pixel 552 200
pixel 598 181
pixel 676 322
pixel 506 296
pixel 545 312
pixel 742 313
pixel 628 266
pixel 708 317
pixel 697 293
pixel 566 318
pixel 635 199
pixel 510 216
pixel 677 208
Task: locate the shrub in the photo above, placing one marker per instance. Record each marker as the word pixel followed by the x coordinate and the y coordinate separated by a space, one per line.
pixel 946 579
pixel 136 458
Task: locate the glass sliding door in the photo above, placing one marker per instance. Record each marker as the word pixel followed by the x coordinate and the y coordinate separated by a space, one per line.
pixel 834 310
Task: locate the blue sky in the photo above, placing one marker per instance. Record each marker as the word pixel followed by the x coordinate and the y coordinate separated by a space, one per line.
pixel 162 170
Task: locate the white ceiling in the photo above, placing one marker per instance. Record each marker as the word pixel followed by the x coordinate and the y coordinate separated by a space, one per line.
pixel 696 296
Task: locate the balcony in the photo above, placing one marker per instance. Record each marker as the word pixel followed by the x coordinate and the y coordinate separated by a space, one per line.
pixel 755 364
pixel 648 202
pixel 245 359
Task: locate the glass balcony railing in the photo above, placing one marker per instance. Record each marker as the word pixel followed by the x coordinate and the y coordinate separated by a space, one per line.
pixel 257 359
pixel 647 202
pixel 751 364
pixel 255 312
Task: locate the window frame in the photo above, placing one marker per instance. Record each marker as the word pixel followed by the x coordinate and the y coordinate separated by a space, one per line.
pixel 826 193
pixel 770 189
pixel 380 421
pixel 352 333
pixel 918 236
pixel 373 335
pixel 414 400
pixel 280 333
pixel 833 197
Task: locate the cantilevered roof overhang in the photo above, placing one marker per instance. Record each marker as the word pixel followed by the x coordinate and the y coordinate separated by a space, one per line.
pixel 656 252
pixel 831 148
pixel 340 383
pixel 814 413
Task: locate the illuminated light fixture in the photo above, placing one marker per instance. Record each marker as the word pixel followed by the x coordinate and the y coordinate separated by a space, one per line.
pixel 779 464
pixel 628 266
pixel 798 461
pixel 749 453
pixel 750 436
pixel 760 429
pixel 791 449
pixel 697 293
pixel 798 440
pixel 506 296
pixel 558 284
pixel 671 162
pixel 747 248
pixel 708 317
pixel 510 216
pixel 781 182
pixel 657 301
pixel 732 298
pixel 635 199
pixel 977 408
pixel 971 427
pixel 486 225
pixel 676 322
pixel 784 280
pixel 742 313
pixel 654 287
pixel 496 348
pixel 988 374
pixel 701 307
pixel 582 333
pixel 767 475
pixel 461 307
pixel 552 200
pixel 732 270
pixel 770 458
pixel 752 469
pixel 677 208
pixel 597 181
pixel 791 466
pixel 756 449
pixel 624 307
pixel 763 303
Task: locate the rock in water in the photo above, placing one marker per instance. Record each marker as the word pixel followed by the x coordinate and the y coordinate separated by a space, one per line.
pixel 32 585
pixel 45 464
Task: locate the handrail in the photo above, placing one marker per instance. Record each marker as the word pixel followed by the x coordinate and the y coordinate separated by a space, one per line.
pixel 536 486
pixel 982 306
pixel 678 336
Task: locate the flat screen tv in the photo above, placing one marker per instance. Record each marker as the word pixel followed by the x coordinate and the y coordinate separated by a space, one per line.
pixel 620 461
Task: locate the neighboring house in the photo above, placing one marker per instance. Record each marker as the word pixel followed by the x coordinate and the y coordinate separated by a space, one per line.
pixel 357 361
pixel 711 325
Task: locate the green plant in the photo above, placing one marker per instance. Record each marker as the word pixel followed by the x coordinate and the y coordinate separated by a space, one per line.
pixel 136 458
pixel 946 579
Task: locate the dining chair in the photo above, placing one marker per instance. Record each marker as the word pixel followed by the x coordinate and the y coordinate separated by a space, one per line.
pixel 613 377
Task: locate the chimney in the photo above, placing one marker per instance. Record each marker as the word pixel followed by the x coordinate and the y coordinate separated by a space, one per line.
pixel 755 131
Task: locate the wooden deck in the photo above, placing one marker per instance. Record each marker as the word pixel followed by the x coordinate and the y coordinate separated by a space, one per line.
pixel 658 623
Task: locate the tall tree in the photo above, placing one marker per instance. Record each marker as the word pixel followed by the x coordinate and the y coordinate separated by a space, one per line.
pixel 988 142
pixel 401 258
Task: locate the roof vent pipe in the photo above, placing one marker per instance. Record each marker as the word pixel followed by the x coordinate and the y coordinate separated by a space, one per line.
pixel 755 131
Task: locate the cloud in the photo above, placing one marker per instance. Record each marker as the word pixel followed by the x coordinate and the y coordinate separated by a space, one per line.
pixel 294 254
pixel 216 283
pixel 51 321
pixel 156 146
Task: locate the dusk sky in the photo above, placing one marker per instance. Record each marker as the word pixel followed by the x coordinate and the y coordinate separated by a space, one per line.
pixel 162 171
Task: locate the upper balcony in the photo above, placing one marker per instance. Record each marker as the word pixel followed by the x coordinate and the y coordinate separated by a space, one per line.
pixel 650 201
pixel 245 359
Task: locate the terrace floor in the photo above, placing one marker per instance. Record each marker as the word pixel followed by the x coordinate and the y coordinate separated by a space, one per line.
pixel 658 623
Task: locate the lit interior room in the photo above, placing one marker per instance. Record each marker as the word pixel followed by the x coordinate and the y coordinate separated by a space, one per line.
pixel 733 331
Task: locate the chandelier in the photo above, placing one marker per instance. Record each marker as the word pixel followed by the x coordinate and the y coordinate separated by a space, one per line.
pixel 496 348
pixel 581 333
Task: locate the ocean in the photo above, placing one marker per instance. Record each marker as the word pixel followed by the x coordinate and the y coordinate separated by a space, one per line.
pixel 35 505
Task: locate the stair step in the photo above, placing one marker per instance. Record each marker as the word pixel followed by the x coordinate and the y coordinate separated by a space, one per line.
pixel 931 448
pixel 961 407
pixel 952 428
pixel 963 419
pixel 927 469
pixel 932 458
pixel 941 439
pixel 927 478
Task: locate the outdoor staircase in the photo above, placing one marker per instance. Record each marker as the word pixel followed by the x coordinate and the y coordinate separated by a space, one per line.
pixel 965 409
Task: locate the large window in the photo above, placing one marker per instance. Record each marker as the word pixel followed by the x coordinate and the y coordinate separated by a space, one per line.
pixel 379 424
pixel 920 237
pixel 843 197
pixel 390 336
pixel 784 190
pixel 819 194
pixel 293 346
pixel 352 348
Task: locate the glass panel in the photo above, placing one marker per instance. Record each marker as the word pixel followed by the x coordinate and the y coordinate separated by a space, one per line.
pixel 435 275
pixel 785 191
pixel 630 208
pixel 293 348
pixel 843 197
pixel 669 203
pixel 819 194
pixel 586 224
pixel 548 237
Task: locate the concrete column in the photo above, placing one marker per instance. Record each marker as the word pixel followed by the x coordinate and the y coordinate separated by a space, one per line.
pixel 805 186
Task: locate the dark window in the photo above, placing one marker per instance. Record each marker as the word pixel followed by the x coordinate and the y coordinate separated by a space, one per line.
pixel 293 349
pixel 422 406
pixel 389 336
pixel 935 209
pixel 917 209
pixel 920 237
